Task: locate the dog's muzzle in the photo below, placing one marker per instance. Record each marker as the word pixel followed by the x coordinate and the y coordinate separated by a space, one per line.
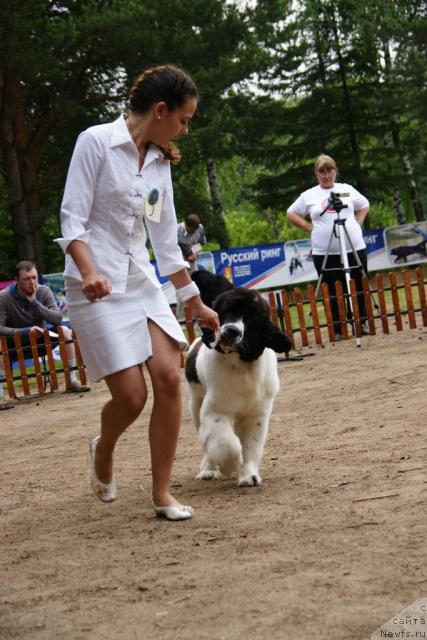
pixel 231 334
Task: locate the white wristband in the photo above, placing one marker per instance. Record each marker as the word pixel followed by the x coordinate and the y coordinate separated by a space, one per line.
pixel 189 291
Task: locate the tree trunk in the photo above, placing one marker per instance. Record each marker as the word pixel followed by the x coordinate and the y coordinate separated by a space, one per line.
pixel 407 168
pixel 23 203
pixel 318 42
pixel 398 207
pixel 20 224
pixel 37 238
pixel 222 235
pixel 346 95
pixel 404 158
pixel 21 159
pixel 348 107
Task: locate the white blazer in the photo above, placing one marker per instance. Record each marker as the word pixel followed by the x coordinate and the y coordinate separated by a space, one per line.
pixel 103 205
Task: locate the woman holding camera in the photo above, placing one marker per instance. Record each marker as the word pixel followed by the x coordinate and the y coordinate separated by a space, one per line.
pixel 317 203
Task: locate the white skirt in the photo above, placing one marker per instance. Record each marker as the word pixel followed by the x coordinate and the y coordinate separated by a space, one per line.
pixel 112 332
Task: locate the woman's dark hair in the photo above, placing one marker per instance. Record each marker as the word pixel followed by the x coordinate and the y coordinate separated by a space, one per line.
pixel 166 83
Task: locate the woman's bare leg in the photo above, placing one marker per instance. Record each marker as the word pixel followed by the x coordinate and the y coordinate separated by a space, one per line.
pixel 128 397
pixel 164 369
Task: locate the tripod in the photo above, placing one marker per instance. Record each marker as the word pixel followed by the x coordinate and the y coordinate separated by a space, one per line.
pixel 339 231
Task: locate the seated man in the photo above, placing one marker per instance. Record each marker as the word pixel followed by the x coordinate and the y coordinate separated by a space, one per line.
pixel 26 307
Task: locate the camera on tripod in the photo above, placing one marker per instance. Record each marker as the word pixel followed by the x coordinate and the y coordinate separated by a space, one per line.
pixel 335 201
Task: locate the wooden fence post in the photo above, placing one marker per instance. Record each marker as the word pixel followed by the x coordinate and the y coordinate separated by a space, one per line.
pixel 409 300
pixel 355 305
pixel 35 356
pixel 189 324
pixel 8 371
pixel 299 300
pixel 64 357
pixel 314 313
pixel 422 294
pixel 341 308
pixel 21 362
pixel 368 305
pixel 287 316
pixel 273 309
pixel 50 361
pixel 328 311
pixel 381 300
pixel 395 299
pixel 182 354
pixel 79 361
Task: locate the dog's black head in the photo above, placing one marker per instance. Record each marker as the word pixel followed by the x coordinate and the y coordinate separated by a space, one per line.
pixel 211 285
pixel 246 327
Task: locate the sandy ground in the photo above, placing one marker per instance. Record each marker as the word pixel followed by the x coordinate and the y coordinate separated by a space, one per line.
pixel 331 546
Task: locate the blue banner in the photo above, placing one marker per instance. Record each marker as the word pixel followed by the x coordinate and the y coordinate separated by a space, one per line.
pixel 247 266
pixel 275 265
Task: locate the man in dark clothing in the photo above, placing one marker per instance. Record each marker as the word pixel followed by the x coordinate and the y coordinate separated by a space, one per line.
pixel 26 307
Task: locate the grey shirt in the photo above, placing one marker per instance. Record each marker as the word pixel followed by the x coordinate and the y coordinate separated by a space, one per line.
pixel 18 315
pixel 187 240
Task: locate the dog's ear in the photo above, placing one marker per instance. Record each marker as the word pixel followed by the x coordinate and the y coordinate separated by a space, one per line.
pixel 208 337
pixel 277 340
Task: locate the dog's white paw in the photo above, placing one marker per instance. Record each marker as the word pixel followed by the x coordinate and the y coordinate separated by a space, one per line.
pixel 249 480
pixel 209 474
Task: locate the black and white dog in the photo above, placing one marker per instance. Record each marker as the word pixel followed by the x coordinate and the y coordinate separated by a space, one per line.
pixel 210 285
pixel 233 380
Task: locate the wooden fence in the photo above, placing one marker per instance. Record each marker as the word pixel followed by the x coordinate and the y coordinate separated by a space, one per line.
pixel 307 320
pixel 42 368
pixel 298 313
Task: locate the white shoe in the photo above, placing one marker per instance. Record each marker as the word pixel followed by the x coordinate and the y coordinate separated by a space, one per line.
pixel 105 492
pixel 174 512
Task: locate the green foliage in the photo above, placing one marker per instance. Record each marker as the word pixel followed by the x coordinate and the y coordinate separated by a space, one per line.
pixel 381 214
pixel 280 82
pixel 83 58
pixel 341 97
pixel 247 226
pixel 7 245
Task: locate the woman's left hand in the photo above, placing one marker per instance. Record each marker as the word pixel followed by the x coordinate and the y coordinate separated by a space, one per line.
pixel 205 316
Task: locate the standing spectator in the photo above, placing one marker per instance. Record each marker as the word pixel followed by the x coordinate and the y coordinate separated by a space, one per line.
pixel 119 187
pixel 25 307
pixel 191 237
pixel 314 202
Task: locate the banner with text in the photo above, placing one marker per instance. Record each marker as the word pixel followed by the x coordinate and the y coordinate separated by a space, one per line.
pixel 276 265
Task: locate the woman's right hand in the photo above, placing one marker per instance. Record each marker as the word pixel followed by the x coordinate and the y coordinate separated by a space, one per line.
pixel 299 221
pixel 95 287
pixel 206 316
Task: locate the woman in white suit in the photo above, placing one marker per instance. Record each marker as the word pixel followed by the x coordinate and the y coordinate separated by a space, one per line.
pixel 119 187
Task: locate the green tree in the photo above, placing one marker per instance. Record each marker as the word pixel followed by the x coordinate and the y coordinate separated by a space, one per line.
pixel 83 57
pixel 335 97
pixel 58 71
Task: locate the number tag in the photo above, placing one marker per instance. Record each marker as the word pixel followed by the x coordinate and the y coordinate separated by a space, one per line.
pixel 153 205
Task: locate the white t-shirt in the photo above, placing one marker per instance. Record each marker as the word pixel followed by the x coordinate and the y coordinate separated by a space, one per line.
pixel 313 201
